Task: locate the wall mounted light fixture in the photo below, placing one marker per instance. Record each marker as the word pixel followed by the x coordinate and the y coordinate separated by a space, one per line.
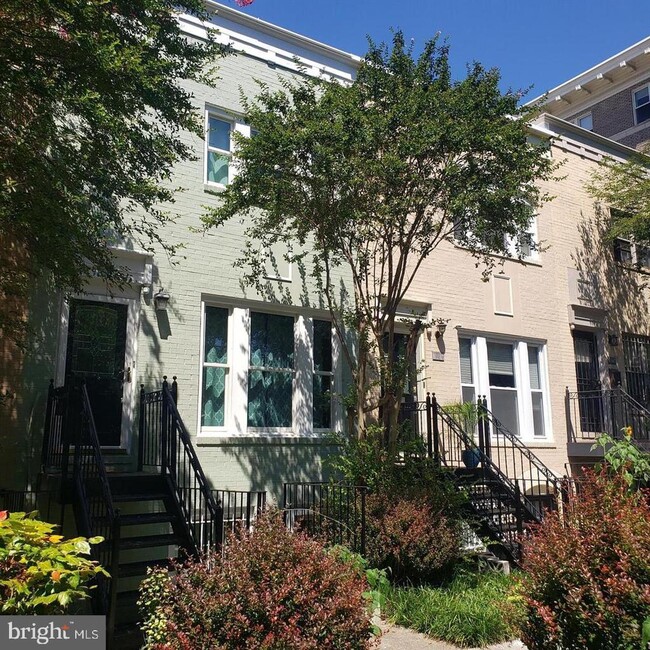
pixel 161 300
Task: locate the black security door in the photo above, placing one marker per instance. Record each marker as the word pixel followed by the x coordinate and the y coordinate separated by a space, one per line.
pixel 588 381
pixel 96 355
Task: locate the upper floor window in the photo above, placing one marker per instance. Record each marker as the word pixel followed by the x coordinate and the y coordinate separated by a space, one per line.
pixel 642 104
pixel 586 122
pixel 219 146
pixel 629 253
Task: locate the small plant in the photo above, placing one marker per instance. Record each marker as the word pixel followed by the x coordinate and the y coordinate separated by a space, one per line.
pixel 473 609
pixel 42 573
pixel 271 589
pixel 587 581
pixel 625 458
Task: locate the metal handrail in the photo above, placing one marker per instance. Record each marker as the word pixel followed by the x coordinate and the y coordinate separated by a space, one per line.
pixel 181 464
pixel 486 462
pixel 95 509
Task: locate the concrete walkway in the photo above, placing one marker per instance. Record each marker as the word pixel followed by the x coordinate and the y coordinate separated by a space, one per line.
pixel 395 637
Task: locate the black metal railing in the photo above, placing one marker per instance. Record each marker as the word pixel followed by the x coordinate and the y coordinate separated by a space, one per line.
pixel 333 512
pixel 95 512
pixel 591 413
pixel 165 444
pixel 44 501
pixel 236 510
pixel 506 483
pixel 61 426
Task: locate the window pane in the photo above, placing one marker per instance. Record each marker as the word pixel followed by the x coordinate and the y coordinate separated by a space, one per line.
pixel 269 398
pixel 468 394
pixel 533 367
pixel 322 402
pixel 466 374
pixel 322 345
pixel 586 122
pixel 219 134
pixel 217 168
pixel 271 341
pixel 213 399
pixel 216 335
pixel 504 408
pixel 641 97
pixel 500 365
pixel 538 414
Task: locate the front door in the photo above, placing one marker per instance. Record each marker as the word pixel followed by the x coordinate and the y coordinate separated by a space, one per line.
pixel 590 398
pixel 96 355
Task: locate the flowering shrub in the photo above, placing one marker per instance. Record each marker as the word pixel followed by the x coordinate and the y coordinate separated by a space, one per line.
pixel 41 573
pixel 271 589
pixel 587 581
pixel 410 536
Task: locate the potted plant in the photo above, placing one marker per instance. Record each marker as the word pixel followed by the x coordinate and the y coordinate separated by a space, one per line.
pixel 465 414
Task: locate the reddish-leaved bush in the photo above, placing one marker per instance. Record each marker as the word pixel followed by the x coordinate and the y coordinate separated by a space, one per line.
pixel 271 590
pixel 587 571
pixel 410 536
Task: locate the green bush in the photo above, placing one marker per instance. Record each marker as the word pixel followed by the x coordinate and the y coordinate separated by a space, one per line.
pixel 413 511
pixel 473 609
pixel 42 573
pixel 587 581
pixel 271 589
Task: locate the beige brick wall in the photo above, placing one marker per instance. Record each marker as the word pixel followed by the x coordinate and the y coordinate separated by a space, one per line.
pixel 570 226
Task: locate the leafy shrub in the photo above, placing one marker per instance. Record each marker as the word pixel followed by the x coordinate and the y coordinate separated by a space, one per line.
pixel 41 573
pixel 410 536
pixel 473 609
pixel 413 512
pixel 625 458
pixel 588 570
pixel 271 589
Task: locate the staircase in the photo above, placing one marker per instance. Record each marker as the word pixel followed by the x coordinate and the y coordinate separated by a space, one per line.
pixel 164 508
pixel 507 486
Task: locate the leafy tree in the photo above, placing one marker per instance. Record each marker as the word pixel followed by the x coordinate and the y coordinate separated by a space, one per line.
pixel 372 177
pixel 92 113
pixel 625 187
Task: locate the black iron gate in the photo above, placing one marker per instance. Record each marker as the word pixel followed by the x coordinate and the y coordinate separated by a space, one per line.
pixel 636 354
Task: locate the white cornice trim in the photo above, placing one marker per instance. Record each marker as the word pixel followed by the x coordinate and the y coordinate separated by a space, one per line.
pixel 273 44
pixel 625 58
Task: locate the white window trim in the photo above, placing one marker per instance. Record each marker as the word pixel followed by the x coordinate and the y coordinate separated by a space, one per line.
pixel 634 106
pixel 236 125
pixel 236 400
pixel 522 380
pixel 511 247
pixel 227 405
pixel 332 374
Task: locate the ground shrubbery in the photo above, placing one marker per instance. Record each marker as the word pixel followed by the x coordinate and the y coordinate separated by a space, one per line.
pixel 42 573
pixel 587 582
pixel 271 589
pixel 413 513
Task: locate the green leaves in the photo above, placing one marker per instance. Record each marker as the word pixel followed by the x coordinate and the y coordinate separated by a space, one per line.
pixel 41 573
pixel 92 115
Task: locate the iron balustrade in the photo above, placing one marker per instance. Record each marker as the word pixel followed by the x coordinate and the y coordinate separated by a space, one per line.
pixel 334 512
pixel 591 413
pixel 44 501
pixel 237 511
pixel 95 512
pixel 507 485
pixel 179 462
pixel 60 430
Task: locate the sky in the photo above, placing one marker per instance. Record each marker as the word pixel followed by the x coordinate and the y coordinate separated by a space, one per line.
pixel 539 44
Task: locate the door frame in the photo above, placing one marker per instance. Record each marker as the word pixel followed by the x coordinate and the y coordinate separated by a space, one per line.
pixel 130 354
